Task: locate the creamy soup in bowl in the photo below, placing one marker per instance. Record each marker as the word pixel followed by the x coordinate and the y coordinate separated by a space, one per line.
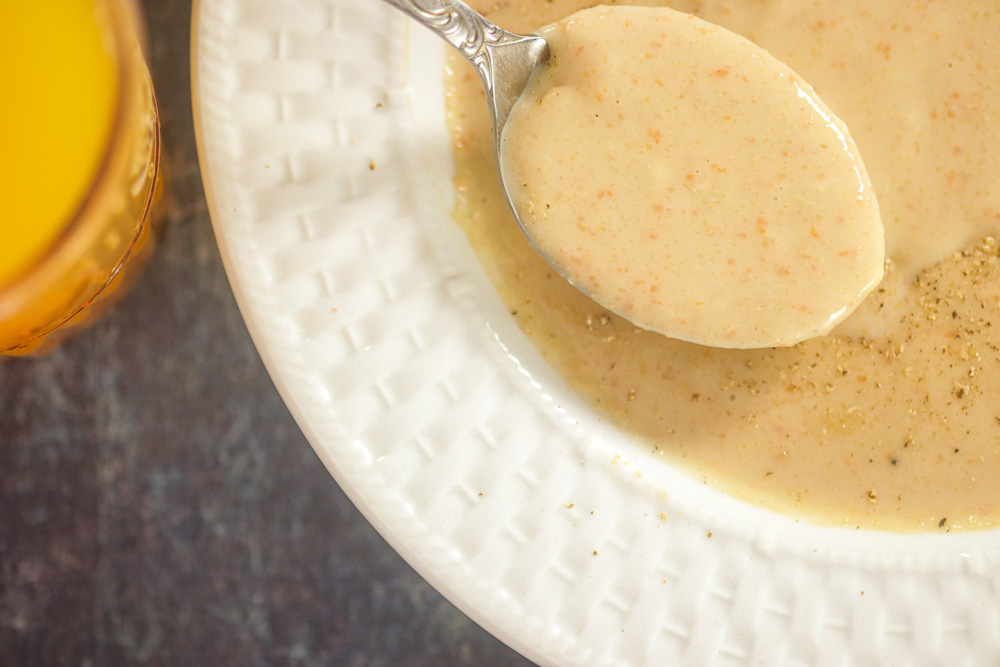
pixel 891 421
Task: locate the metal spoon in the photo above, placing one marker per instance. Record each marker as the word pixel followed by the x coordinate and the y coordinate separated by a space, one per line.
pixel 703 300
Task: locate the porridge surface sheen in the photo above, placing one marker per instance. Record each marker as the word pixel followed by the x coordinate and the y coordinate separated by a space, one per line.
pixel 691 182
pixel 893 420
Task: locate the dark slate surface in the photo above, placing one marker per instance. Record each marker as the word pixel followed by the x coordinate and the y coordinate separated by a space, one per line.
pixel 158 505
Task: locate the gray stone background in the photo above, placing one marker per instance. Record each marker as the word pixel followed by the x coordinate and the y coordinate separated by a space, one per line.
pixel 158 505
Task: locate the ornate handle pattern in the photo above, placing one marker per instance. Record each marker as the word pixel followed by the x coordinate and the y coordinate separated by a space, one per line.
pixel 504 71
pixel 459 25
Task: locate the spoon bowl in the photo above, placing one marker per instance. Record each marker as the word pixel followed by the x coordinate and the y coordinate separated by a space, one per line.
pixel 674 172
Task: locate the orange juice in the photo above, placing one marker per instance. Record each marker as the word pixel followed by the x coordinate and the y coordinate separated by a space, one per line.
pixel 60 86
pixel 79 149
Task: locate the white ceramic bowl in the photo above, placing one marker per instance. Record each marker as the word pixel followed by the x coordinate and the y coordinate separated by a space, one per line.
pixel 326 163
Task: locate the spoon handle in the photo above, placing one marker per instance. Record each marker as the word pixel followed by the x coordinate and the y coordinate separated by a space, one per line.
pixel 504 60
pixel 456 23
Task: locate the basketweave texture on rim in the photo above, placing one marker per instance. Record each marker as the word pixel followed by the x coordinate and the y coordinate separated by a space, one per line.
pixel 324 153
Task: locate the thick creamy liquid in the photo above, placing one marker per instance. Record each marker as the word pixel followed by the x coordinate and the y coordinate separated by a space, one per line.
pixel 691 182
pixel 893 422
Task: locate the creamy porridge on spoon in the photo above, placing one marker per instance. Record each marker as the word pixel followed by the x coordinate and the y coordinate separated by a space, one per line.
pixel 893 420
pixel 691 182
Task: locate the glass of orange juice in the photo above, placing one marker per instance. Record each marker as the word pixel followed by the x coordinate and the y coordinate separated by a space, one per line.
pixel 79 164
